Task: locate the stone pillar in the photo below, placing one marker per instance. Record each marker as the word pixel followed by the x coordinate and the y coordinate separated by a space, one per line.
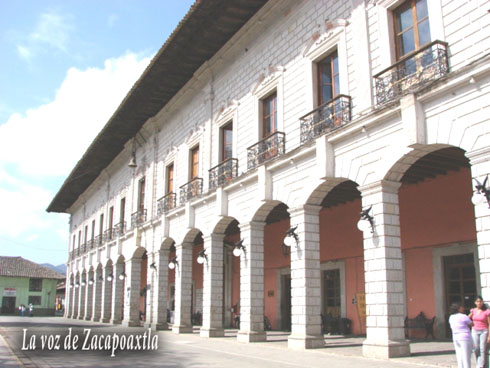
pixel 89 292
pixel 97 295
pixel 480 169
pixel 106 299
pixel 212 304
pixel 157 306
pixel 183 289
pixel 306 331
pixel 252 283
pixel 76 295
pixel 81 297
pixel 68 297
pixel 132 293
pixel 384 278
pixel 117 294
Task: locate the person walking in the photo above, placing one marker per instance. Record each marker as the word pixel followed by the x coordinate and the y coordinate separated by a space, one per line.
pixel 460 325
pixel 479 333
pixel 31 310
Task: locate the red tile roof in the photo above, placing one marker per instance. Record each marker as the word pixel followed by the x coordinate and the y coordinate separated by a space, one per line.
pixel 20 267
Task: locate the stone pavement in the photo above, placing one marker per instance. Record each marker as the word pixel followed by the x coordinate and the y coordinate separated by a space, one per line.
pixel 190 350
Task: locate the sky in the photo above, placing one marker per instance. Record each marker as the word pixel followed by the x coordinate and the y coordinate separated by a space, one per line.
pixel 65 66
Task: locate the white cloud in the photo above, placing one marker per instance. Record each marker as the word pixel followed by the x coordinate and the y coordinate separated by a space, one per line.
pixel 53 29
pixel 48 140
pixel 32 237
pixel 24 52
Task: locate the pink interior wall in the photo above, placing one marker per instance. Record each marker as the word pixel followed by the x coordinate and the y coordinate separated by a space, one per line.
pixel 197 269
pixel 143 282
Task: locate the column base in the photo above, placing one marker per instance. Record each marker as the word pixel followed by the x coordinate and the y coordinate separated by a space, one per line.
pixel 385 349
pixel 130 323
pixel 181 329
pixel 88 318
pixel 95 319
pixel 251 336
pixel 211 332
pixel 115 321
pixel 302 342
pixel 81 317
pixel 105 320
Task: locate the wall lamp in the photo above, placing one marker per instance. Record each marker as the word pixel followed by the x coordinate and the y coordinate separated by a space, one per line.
pixel 77 284
pixel 173 263
pixel 202 257
pixel 100 278
pixel 239 247
pixel 291 237
pixel 366 220
pixel 153 266
pixel 91 281
pixel 110 277
pixel 84 283
pixel 122 276
pixel 132 161
pixel 482 192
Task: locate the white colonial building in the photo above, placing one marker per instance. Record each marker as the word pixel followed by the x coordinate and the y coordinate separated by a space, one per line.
pixel 258 119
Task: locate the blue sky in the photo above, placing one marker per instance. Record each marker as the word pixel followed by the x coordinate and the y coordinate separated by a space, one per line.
pixel 64 68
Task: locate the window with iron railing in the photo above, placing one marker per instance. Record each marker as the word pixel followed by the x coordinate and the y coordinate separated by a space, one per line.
pixel 166 203
pixel 119 229
pixel 223 173
pixel 325 118
pixel 265 150
pixel 413 72
pixel 138 218
pixel 190 190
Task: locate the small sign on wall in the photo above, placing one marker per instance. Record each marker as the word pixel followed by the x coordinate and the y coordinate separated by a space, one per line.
pixel 9 292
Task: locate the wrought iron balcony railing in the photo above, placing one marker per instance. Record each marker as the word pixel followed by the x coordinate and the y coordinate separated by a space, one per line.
pixel 98 241
pixel 325 118
pixel 108 235
pixel 266 149
pixel 90 244
pixel 223 173
pixel 413 72
pixel 138 218
pixel 190 190
pixel 119 229
pixel 166 203
pixel 83 248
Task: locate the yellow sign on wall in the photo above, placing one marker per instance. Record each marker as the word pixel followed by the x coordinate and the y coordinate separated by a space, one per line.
pixel 361 304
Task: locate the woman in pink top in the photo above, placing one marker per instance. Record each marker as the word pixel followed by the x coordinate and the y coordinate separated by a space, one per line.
pixel 481 320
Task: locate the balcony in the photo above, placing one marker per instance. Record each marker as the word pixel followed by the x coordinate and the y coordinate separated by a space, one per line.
pixel 118 230
pixel 166 203
pixel 265 150
pixel 83 248
pixel 414 72
pixel 325 118
pixel 190 190
pixel 108 235
pixel 138 218
pixel 223 173
pixel 90 244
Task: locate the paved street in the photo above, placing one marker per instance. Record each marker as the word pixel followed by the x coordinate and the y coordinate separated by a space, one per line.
pixel 191 350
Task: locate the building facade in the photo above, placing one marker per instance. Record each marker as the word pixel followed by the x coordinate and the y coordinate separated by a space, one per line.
pixel 231 179
pixel 23 282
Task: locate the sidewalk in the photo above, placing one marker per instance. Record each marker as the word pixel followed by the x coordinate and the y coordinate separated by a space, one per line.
pixel 191 350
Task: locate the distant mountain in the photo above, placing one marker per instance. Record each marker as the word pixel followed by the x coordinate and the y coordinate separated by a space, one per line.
pixel 60 268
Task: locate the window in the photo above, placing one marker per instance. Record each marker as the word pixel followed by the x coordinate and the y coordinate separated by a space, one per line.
pixel 85 234
pixel 328 78
pixel 269 115
pixel 35 284
pixel 111 217
pixel 170 179
pixel 34 299
pixel 411 26
pixel 101 224
pixel 74 241
pixel 122 210
pixel 79 238
pixel 93 230
pixel 227 141
pixel 141 194
pixel 194 162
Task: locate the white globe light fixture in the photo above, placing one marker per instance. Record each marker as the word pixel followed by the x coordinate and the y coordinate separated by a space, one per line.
pixel 109 278
pixel 237 251
pixel 477 198
pixel 122 276
pixel 202 257
pixel 363 225
pixel 289 241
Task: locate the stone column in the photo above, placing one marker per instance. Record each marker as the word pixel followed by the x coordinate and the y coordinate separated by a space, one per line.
pixel 252 283
pixel 97 295
pixel 212 304
pixel 76 294
pixel 306 330
pixel 157 308
pixel 81 298
pixel 183 289
pixel 106 299
pixel 480 169
pixel 384 278
pixel 89 291
pixel 132 293
pixel 68 297
pixel 117 294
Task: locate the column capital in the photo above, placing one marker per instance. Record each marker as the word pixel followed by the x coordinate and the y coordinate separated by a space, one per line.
pixel 309 209
pixel 252 225
pixel 386 186
pixel 479 155
pixel 213 237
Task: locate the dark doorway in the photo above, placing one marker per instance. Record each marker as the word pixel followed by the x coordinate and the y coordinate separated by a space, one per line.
pixel 8 304
pixel 286 303
pixel 331 293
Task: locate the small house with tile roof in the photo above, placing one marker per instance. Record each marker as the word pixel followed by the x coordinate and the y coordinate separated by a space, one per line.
pixel 25 282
